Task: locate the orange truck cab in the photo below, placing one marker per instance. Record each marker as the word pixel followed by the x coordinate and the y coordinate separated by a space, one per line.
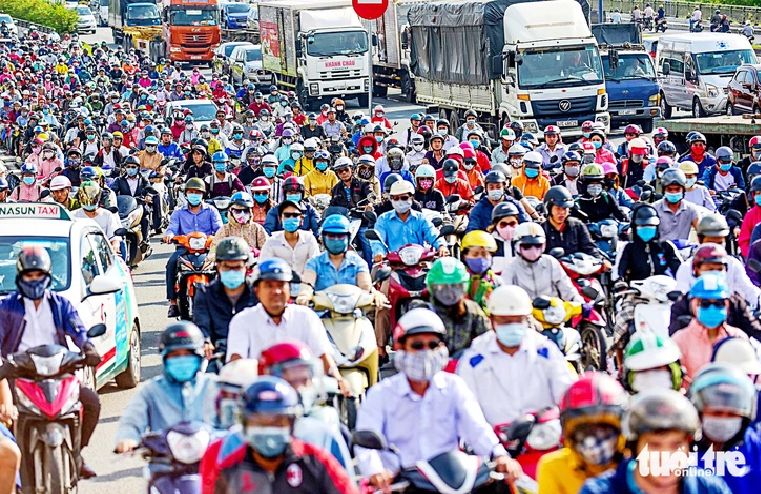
pixel 191 30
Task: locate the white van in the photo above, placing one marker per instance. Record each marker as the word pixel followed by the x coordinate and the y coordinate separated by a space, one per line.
pixel 695 69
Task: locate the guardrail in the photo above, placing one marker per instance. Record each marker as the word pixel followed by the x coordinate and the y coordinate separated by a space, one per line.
pixel 21 23
pixel 735 13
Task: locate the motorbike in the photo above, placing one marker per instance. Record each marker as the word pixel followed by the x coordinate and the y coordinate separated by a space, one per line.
pixel 341 308
pixel 131 215
pixel 647 23
pixel 222 204
pixel 697 27
pixel 194 267
pixel 458 210
pixel 554 314
pixel 48 430
pixel 606 235
pixel 320 202
pixel 652 313
pixel 174 457
pixel 531 437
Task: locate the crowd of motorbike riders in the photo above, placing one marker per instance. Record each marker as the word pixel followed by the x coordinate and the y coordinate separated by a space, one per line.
pixel 321 198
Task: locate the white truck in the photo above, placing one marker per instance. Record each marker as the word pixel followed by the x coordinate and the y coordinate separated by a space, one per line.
pixel 319 48
pixel 535 62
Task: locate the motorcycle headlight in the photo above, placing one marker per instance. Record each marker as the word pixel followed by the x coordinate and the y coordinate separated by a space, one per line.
pixel 188 449
pixel 608 231
pixel 47 366
pixel 197 243
pixel 25 402
pixel 222 202
pixel 411 255
pixel 545 436
pixel 554 314
pixel 343 303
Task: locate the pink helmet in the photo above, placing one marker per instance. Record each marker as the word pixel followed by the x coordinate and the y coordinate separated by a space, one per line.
pixel 466 145
pixel 664 160
pixel 609 168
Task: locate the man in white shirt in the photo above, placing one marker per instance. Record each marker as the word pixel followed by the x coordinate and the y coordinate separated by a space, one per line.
pixel 89 196
pixel 273 320
pixel 696 17
pixel 513 370
pixel 423 411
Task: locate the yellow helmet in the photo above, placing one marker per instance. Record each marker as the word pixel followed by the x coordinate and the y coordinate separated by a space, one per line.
pixel 479 238
pixel 688 167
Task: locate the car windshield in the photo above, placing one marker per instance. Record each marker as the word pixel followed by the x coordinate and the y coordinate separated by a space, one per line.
pixel 723 62
pixel 331 44
pixel 83 10
pixel 629 67
pixel 551 67
pixel 253 54
pixel 194 18
pixel 203 111
pixel 238 8
pixel 58 249
pixel 229 49
pixel 143 14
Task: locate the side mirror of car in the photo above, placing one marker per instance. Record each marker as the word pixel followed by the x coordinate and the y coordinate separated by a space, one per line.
pixel 103 284
pixel 666 69
pixel 97 330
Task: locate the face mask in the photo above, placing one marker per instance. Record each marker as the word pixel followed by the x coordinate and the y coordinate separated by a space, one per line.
pixel 647 233
pixel 644 381
pixel 260 198
pixel 417 147
pixel 756 155
pixel 287 141
pixel 322 166
pixel 673 197
pixel 291 224
pixel 698 150
pixel 725 168
pixel 220 167
pixel 232 279
pixel 295 156
pixel 379 139
pixel 468 165
pixel 516 163
pixel 531 254
pixel 293 197
pixel 241 217
pixel 422 365
pixel 451 180
pixel 29 180
pixel 448 294
pixel 73 163
pixel 205 135
pixel 594 190
pixel 238 136
pixel 510 335
pixel 471 123
pixel 691 182
pixel 597 144
pixel 479 265
pixel 401 207
pixel 572 171
pixel 426 184
pixel 195 199
pixel 496 195
pixel 367 149
pixel 269 442
pixel 269 171
pixel 336 245
pixel 215 131
pixel 33 290
pixel 182 369
pixel 596 451
pixel 531 172
pixel 506 232
pixel 475 143
pixel 48 155
pixel 712 317
pixel 368 174
pixel 721 429
pixel 587 134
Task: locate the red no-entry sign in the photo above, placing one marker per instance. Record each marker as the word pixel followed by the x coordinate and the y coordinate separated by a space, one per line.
pixel 369 9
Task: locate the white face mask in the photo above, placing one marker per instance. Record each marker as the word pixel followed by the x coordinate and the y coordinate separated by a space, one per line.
pixel 657 379
pixel 721 429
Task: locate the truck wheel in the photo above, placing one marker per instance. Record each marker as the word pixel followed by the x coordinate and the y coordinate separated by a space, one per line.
pixel 647 126
pixel 363 100
pixel 697 108
pixel 665 107
pixel 408 88
pixel 454 119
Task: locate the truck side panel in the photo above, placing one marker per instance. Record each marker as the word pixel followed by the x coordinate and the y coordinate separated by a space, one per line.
pixel 272 54
pixel 454 95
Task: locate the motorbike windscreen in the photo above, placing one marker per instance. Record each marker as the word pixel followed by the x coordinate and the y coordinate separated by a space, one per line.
pixel 58 250
pixel 125 205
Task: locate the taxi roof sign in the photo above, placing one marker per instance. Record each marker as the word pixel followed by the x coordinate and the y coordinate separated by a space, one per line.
pixel 33 210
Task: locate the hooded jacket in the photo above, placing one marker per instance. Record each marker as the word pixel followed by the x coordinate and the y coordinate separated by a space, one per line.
pixel 369 141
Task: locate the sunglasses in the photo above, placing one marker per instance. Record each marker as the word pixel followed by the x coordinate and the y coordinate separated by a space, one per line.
pixel 419 345
pixel 291 215
pixel 405 197
pixel 503 224
pixel 712 303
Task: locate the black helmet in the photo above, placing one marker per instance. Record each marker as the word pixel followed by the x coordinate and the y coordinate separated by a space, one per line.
pixel 232 249
pixel 33 258
pixel 503 209
pixel 450 166
pixel 645 215
pixel 183 335
pixel 390 180
pixel 517 128
pixel 202 142
pixel 495 177
pixel 754 168
pixel 442 121
pixel 558 196
pixel 131 160
pixel 469 113
pixel 666 147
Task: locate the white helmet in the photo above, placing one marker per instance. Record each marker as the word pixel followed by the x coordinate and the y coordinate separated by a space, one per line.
pixel 59 183
pixel 509 300
pixel 269 159
pixel 529 233
pixel 532 158
pixel 239 372
pixel 517 149
pixel 311 144
pixel 739 352
pixel 369 128
pixel 402 187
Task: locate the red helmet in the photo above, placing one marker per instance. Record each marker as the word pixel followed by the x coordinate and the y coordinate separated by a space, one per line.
pixel 468 153
pixel 587 126
pixel 596 398
pixel 632 129
pixel 755 142
pixel 551 130
pixel 709 253
pixel 293 184
pixel 277 358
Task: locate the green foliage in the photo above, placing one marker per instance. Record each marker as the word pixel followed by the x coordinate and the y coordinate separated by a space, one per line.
pixel 42 12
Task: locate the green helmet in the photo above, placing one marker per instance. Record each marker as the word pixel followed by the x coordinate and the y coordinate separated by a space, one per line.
pixel 196 184
pixel 648 351
pixel 232 249
pixel 447 271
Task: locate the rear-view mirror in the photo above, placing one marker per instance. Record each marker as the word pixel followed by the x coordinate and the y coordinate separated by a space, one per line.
pixel 589 292
pixel 369 440
pixel 446 230
pixel 104 284
pixel 371 234
pixel 97 330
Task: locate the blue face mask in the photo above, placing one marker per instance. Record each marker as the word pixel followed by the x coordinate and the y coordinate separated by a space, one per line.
pixel 531 172
pixel 725 168
pixel 238 136
pixel 673 197
pixel 269 442
pixel 478 265
pixel 269 171
pixel 260 198
pixel 647 233
pixel 379 139
pixel 336 245
pixel 510 335
pixel 475 143
pixel 322 166
pixel 132 172
pixel 367 149
pixel 597 144
pixel 29 180
pixel 232 279
pixel 293 197
pixel 220 166
pixel 587 134
pixel 712 317
pixel 757 199
pixel 195 199
pixel 291 224
pixel 183 368
pixel 92 207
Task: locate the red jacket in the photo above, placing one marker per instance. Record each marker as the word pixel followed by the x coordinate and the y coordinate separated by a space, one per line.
pixel 752 218
pixel 383 121
pixel 258 107
pixel 461 187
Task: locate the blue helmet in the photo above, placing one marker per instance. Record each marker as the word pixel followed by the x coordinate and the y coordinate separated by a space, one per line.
pixel 723 387
pixel 710 286
pixel 273 268
pixel 88 173
pixel 336 223
pixel 570 156
pixel 269 394
pixel 151 140
pixel 28 168
pixel 220 157
pixel 242 199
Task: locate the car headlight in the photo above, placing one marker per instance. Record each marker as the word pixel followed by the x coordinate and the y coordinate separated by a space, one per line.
pixel 532 127
pixel 713 91
pixel 343 303
pixel 654 100
pixel 188 449
pixel 411 255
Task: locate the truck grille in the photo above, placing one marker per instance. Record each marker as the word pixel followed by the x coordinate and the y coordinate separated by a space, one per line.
pixel 551 108
pixel 340 74
pixel 197 39
pixel 629 103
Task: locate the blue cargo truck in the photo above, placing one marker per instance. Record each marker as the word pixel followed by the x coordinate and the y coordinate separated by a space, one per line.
pixel 630 78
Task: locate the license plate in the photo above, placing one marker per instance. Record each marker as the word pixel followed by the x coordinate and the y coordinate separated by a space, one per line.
pixel 568 123
pixel 627 112
pixel 195 57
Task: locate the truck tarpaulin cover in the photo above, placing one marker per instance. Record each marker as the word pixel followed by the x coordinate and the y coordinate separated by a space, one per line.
pixel 617 34
pixel 455 42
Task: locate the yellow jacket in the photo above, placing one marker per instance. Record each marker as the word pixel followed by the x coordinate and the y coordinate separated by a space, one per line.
pixel 317 182
pixel 62 69
pixel 535 187
pixel 561 472
pixel 214 146
pixel 303 166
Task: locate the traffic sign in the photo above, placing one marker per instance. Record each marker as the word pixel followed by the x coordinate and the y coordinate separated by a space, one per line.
pixel 369 9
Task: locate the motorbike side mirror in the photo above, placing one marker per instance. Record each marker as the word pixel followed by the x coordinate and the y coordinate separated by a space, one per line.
pixel 589 292
pixel 295 278
pixel 437 221
pixel 446 230
pixel 371 234
pixel 151 190
pixel 121 232
pixel 554 159
pixel 557 252
pixel 45 193
pixel 542 302
pixel 382 274
pixel 641 183
pixel 645 196
pixel 371 217
pixel 97 330
pixel 453 198
pixel 734 217
pixel 674 295
pixel 478 190
pixel 754 265
pixel 369 440
pixel 684 321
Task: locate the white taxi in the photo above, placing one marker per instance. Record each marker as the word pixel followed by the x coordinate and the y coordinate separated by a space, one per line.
pixel 86 271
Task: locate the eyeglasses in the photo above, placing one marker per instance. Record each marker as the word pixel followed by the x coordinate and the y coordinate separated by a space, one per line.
pixel 419 345
pixel 503 224
pixel 291 215
pixel 706 303
pixel 405 197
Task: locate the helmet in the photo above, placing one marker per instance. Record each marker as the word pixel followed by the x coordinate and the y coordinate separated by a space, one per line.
pixel 724 154
pixel 32 168
pixel 366 160
pixel 449 168
pixel 260 184
pixel 507 171
pixel 753 169
pixel 32 258
pixel 507 134
pixel 570 156
pixel 495 177
pixel 666 147
pixel 637 146
pixel 469 113
pixel 661 132
pixel 673 176
pixel 270 395
pixel 402 187
pixel 151 140
pixel 425 171
pixel 559 196
pixel 242 199
pixel 442 121
pixel 592 172
pixel 280 356
pixel 596 398
pixel 195 183
pixel 310 144
pixel 755 185
pixel 739 352
pixel 709 252
pixel 709 286
pixel 233 377
pixel 609 167
pixel 391 179
pixel 182 335
pixel 723 387
pixel 447 271
pixel 219 157
pixel 273 268
pixel 87 173
pixel 657 410
pixel 713 225
pixel 552 130
pixel 58 183
pixel 336 223
pixel 418 321
pixel 502 210
pixel 231 249
pixel 695 137
pixel 516 150
pixel 645 215
pixel 529 233
pixel 648 351
pixel 517 127
pixel 293 184
pixel 479 238
pixel 343 162
pixel 532 159
pixel 632 129
pixel 509 300
pixel 89 193
pixel 689 167
pixel 755 142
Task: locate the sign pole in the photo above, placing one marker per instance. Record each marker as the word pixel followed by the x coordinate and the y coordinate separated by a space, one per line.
pixel 370 90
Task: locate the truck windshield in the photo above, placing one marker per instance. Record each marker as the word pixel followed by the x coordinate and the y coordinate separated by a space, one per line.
pixel 143 14
pixel 551 67
pixel 723 62
pixel 629 67
pixel 238 8
pixel 332 44
pixel 192 17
